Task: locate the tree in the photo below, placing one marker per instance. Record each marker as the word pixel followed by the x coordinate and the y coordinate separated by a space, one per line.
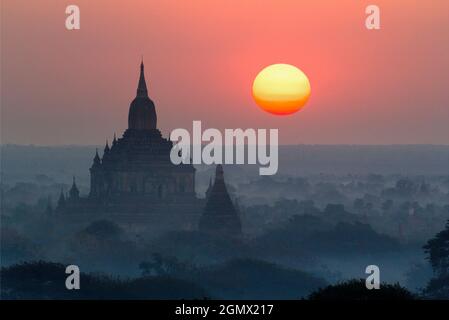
pixel 103 229
pixel 405 187
pixel 46 280
pixel 160 265
pixel 356 290
pixel 437 250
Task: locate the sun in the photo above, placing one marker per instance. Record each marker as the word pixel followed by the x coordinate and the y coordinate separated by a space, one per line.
pixel 281 89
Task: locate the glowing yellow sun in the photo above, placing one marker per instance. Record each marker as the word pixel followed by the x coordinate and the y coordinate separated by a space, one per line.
pixel 281 89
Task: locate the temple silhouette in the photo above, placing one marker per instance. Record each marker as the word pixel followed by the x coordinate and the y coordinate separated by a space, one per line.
pixel 135 183
pixel 220 214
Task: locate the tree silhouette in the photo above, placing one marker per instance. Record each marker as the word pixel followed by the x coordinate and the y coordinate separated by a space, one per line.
pixel 160 265
pixel 356 290
pixel 46 280
pixel 438 252
pixel 103 229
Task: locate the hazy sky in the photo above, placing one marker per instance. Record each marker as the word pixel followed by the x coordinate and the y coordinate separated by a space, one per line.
pixel 201 56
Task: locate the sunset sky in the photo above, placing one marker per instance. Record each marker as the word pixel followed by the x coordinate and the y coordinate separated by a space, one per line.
pixel 201 57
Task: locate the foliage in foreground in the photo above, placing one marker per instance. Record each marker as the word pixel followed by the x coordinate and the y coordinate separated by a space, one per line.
pixel 356 290
pixel 46 280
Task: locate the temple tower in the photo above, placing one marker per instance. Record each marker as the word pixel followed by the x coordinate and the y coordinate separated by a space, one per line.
pixel 220 215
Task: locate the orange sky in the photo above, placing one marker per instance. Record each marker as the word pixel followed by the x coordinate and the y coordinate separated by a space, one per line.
pixel 201 56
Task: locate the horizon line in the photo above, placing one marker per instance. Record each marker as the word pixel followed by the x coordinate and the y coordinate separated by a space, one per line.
pixel 284 145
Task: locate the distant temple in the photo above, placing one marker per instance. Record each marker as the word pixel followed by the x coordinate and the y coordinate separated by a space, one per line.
pixel 136 182
pixel 220 215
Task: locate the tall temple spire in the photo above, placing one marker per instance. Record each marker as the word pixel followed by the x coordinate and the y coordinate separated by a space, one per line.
pixel 74 192
pixel 96 158
pixel 106 147
pixel 142 86
pixel 219 174
pixel 142 113
pixel 209 189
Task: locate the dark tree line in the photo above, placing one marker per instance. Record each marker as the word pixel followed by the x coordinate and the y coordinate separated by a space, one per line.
pixel 437 250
